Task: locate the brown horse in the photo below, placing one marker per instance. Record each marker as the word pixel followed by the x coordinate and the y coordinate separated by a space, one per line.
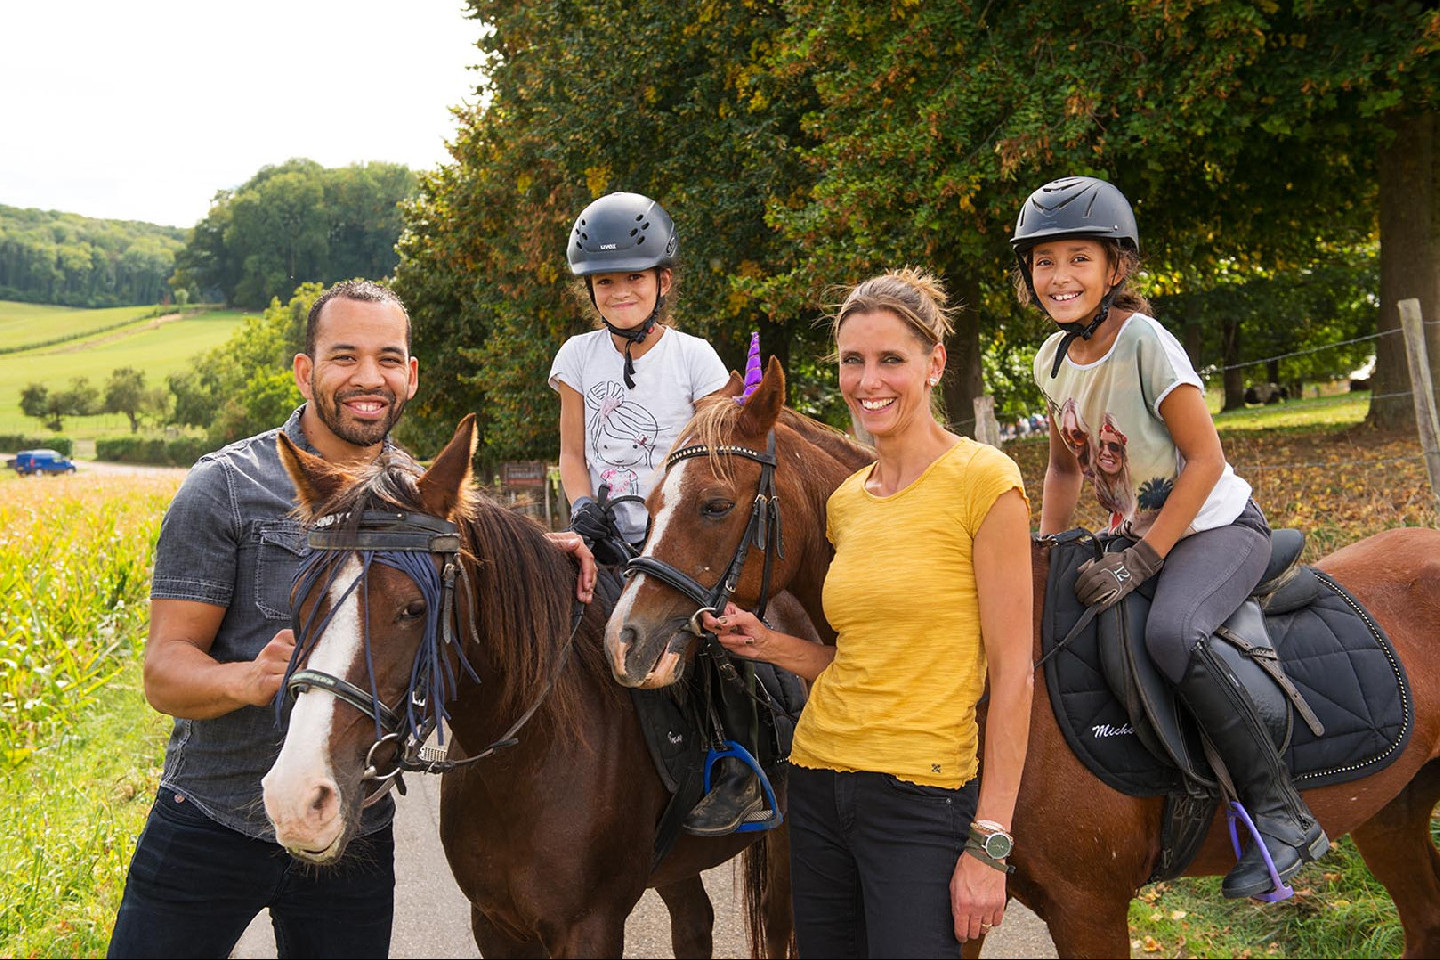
pixel 550 838
pixel 1083 849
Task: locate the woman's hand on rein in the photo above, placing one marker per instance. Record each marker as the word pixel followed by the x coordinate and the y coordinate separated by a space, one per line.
pixel 738 631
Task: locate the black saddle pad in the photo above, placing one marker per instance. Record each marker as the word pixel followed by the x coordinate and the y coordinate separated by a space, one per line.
pixel 1331 649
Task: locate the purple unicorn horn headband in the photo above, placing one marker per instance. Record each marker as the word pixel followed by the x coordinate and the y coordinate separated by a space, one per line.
pixel 752 368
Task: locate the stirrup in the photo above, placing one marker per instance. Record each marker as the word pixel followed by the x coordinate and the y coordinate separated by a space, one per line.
pixel 772 817
pixel 1280 890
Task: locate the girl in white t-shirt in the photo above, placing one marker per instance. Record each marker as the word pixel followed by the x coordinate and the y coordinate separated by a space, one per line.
pixel 1115 375
pixel 626 390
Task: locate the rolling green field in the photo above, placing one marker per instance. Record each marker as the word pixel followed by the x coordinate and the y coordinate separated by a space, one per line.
pixel 157 346
pixel 29 324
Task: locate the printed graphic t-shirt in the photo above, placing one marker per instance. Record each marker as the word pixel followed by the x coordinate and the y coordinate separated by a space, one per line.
pixel 627 432
pixel 1108 414
pixel 909 667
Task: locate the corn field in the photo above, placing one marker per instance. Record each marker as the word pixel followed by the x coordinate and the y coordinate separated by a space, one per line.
pixel 75 558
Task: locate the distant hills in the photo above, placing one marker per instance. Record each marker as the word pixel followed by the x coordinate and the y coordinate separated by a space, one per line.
pixel 47 256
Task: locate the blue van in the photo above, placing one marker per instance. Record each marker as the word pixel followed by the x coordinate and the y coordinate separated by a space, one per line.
pixel 42 461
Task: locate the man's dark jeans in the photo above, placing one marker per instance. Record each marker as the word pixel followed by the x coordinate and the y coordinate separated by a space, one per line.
pixel 194 886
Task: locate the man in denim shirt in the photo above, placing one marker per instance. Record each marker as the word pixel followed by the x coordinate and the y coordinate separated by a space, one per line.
pixel 218 648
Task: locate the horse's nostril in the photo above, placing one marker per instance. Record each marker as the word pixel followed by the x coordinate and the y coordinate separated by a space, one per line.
pixel 628 636
pixel 322 802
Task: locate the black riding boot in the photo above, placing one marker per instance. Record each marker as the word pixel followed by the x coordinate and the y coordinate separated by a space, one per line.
pixel 735 795
pixel 1229 720
pixel 734 798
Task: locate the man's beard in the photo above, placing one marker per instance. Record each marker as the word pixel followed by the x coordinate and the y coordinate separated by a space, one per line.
pixel 360 433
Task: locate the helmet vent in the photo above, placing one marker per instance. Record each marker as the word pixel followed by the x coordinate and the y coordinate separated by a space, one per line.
pixel 640 240
pixel 635 231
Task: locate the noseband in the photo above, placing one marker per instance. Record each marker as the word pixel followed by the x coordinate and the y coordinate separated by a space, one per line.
pixel 762 532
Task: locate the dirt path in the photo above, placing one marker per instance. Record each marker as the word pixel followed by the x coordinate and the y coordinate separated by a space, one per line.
pixel 432 917
pixel 83 342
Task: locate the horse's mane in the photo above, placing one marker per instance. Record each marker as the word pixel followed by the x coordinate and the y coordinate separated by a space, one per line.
pixel 523 586
pixel 717 422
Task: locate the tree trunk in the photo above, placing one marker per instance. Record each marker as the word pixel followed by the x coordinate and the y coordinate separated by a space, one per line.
pixel 1408 262
pixel 1230 359
pixel 963 378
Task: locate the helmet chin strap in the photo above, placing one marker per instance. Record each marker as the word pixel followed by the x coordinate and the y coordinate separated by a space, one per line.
pixel 633 335
pixel 1082 331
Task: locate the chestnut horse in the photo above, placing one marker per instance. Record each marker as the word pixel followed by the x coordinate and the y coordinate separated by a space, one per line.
pixel 1083 849
pixel 551 833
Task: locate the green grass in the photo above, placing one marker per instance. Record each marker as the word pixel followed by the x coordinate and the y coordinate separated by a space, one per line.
pixel 27 324
pixel 72 815
pixel 1341 410
pixel 157 349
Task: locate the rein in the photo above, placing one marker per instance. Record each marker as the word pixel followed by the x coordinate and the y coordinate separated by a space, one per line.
pixel 406 542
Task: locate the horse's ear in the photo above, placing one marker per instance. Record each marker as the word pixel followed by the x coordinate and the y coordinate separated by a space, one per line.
pixel 763 407
pixel 443 486
pixel 733 387
pixel 315 480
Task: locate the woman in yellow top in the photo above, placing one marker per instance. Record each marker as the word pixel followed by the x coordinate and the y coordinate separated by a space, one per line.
pixel 929 593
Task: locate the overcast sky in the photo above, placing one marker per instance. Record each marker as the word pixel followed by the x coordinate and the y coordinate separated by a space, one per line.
pixel 142 110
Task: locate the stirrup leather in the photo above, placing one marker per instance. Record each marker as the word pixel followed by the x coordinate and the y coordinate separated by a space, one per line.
pixel 772 816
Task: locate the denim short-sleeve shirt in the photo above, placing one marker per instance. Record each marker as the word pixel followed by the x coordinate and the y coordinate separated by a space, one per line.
pixel 229 539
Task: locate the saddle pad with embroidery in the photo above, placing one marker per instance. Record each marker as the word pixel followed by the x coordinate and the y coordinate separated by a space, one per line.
pixel 1331 649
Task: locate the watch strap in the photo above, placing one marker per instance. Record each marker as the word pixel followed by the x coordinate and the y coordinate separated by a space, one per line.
pixel 978 852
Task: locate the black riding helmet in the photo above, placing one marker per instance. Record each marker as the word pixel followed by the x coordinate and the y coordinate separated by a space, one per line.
pixel 623 233
pixel 1082 208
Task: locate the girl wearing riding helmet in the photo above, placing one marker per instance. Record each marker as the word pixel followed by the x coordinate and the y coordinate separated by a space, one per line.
pixel 1192 519
pixel 626 389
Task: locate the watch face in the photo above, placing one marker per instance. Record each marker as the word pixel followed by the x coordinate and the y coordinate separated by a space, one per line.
pixel 998 846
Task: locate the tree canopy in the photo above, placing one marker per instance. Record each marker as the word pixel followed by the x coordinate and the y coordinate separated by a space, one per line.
pixel 64 258
pixel 801 145
pixel 295 223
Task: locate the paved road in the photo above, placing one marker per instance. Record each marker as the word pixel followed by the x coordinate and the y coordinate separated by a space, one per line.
pixel 432 918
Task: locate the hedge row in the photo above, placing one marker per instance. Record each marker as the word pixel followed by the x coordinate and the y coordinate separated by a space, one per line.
pixel 15 442
pixel 180 452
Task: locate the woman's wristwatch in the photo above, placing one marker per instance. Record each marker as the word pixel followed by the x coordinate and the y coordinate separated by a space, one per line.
pixel 990 844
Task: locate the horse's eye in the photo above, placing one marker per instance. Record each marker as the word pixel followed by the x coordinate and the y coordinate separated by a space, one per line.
pixel 717 508
pixel 414 610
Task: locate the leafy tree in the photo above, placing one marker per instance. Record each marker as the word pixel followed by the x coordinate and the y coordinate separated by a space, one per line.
pixel 35 402
pixel 51 407
pixel 294 223
pixel 1240 131
pixel 245 386
pixel 127 393
pixel 676 106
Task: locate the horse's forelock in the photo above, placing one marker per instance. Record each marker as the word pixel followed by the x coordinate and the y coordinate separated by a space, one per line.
pixel 387 483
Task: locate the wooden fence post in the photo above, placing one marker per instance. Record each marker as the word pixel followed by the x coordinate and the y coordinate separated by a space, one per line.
pixel 1422 391
pixel 986 429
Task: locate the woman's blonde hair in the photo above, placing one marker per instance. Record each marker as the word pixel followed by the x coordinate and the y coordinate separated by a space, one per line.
pixel 915 296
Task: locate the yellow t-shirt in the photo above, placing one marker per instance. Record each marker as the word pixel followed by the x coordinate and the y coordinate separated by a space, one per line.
pixel 909 666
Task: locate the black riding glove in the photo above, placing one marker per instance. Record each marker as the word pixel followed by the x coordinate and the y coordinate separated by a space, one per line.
pixel 597 526
pixel 1107 580
pixel 588 520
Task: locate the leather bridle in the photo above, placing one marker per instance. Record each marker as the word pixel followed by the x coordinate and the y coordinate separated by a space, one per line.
pixel 406 541
pixel 762 532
